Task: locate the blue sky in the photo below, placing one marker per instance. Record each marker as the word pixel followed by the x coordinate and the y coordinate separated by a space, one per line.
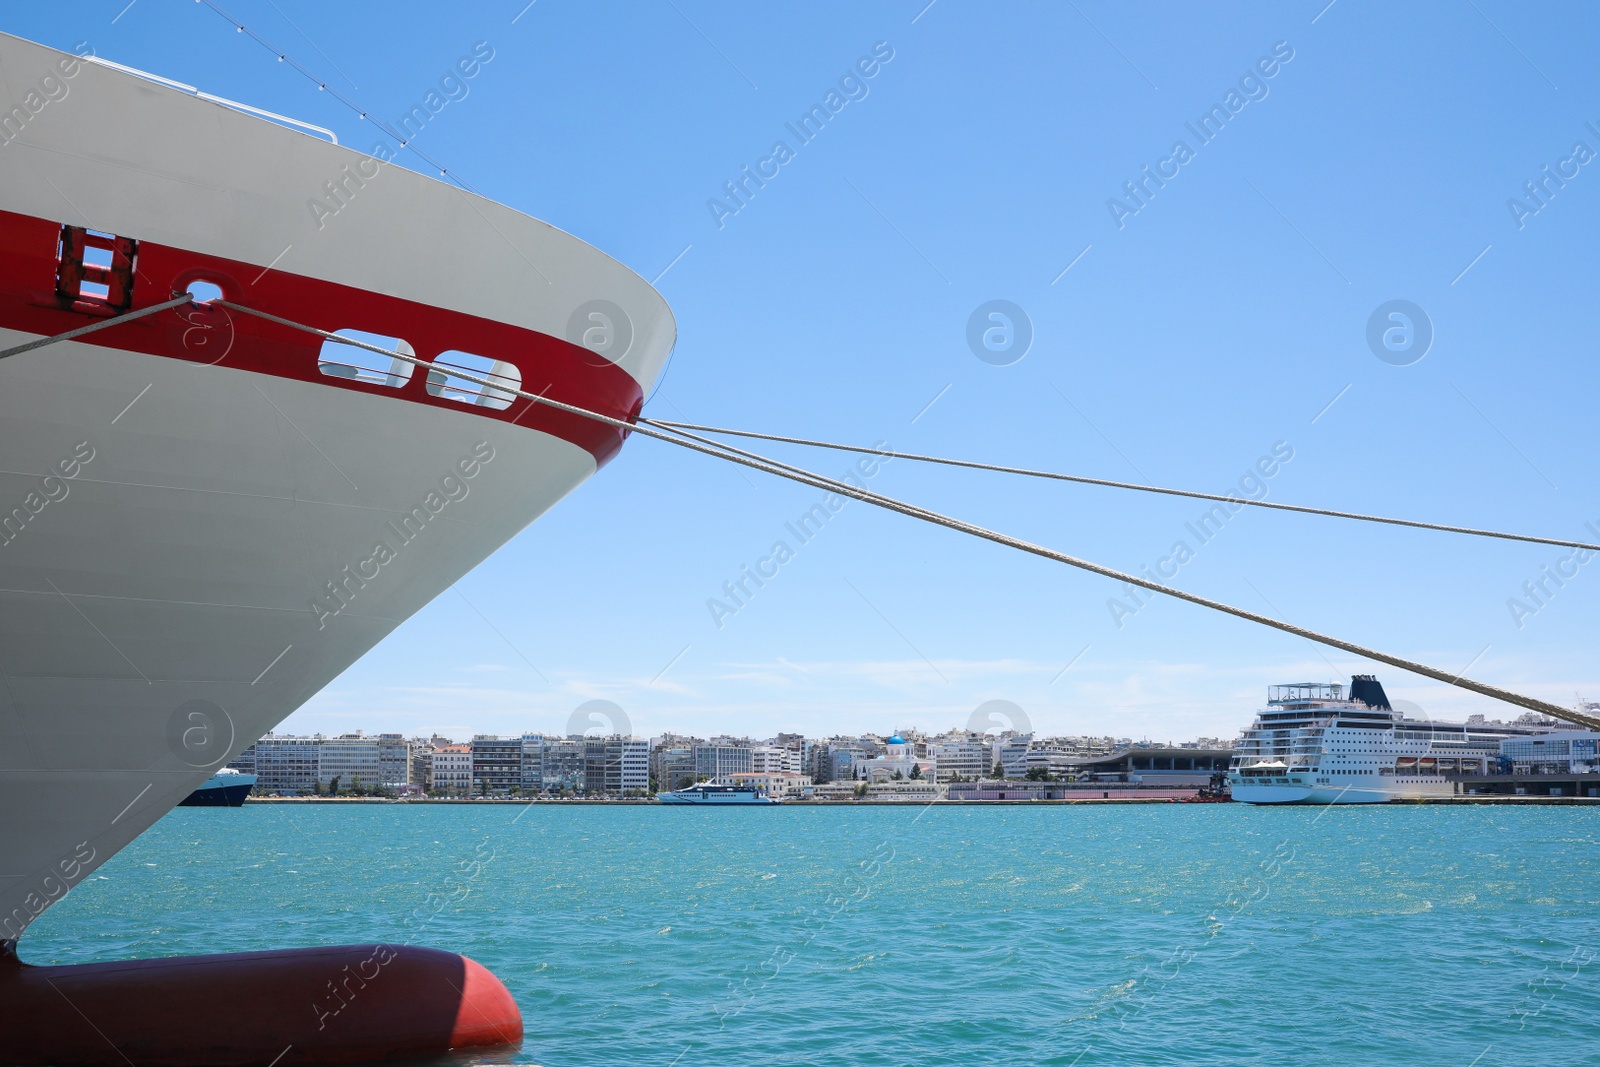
pixel 1176 344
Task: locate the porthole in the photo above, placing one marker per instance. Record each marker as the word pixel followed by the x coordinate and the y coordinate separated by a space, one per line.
pixel 504 379
pixel 364 365
pixel 203 292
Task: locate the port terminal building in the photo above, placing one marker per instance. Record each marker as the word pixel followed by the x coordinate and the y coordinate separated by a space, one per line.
pixel 1154 766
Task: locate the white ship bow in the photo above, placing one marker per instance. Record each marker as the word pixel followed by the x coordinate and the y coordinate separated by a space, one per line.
pixel 202 520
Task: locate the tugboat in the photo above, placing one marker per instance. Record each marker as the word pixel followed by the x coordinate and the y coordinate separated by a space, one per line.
pixel 1217 792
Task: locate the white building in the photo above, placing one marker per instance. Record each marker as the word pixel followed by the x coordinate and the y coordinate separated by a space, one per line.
pixel 1055 762
pixel 452 769
pixel 714 760
pixel 781 784
pixel 800 748
pixel 1556 752
pixel 633 773
pixel 1012 755
pixel 349 760
pixel 970 758
pixel 771 759
pixel 906 789
pixel 921 789
pixel 617 765
pixel 285 765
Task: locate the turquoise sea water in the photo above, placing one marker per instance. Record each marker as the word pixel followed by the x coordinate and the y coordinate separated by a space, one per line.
pixel 1181 934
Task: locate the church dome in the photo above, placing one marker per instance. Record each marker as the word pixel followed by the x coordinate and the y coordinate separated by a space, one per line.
pixel 896 740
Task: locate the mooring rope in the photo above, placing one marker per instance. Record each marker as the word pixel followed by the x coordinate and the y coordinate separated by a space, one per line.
pixel 728 453
pixel 678 434
pixel 1082 479
pixel 115 320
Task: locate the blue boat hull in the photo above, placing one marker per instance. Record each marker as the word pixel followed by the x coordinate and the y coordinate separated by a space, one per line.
pixel 229 796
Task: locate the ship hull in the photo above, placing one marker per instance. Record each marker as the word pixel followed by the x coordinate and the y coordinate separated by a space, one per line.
pixel 1365 792
pixel 715 800
pixel 202 520
pixel 222 790
pixel 174 604
pixel 231 796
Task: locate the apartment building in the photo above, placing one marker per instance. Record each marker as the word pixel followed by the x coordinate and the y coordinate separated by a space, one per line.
pixel 285 765
pixel 1012 755
pixel 965 757
pixel 394 762
pixel 496 764
pixel 774 759
pixel 347 761
pixel 422 762
pixel 722 760
pixel 672 763
pixel 564 764
pixel 451 772
pixel 616 766
pixel 845 756
pixel 532 776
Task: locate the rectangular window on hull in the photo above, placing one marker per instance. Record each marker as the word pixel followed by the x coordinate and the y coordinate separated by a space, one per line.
pixel 362 365
pixel 503 378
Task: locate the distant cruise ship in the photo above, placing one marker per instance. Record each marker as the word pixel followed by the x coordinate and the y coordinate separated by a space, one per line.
pixel 1314 744
pixel 708 794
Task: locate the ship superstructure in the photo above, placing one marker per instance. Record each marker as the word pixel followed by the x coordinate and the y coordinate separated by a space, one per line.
pixel 1319 743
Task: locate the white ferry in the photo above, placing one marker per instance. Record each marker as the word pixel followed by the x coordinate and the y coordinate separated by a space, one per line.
pixel 1316 744
pixel 710 794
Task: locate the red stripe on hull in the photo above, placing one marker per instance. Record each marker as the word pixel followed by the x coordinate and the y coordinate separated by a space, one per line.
pixel 558 369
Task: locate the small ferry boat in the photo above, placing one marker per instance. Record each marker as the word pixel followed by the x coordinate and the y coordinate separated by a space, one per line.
pixel 225 789
pixel 1317 744
pixel 710 794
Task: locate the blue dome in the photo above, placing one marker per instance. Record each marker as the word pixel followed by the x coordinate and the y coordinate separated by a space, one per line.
pixel 896 740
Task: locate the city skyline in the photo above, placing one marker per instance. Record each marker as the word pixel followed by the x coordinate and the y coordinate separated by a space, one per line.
pixel 789 765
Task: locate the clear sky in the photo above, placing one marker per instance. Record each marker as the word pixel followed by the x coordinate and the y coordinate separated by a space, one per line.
pixel 1177 337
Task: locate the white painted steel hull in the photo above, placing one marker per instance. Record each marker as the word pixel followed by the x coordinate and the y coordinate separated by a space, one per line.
pixel 714 801
pixel 1360 791
pixel 173 602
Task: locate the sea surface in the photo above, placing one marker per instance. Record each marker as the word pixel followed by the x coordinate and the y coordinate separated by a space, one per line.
pixel 1091 935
